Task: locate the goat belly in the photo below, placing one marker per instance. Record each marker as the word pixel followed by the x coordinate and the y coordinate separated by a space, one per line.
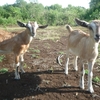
pixel 74 52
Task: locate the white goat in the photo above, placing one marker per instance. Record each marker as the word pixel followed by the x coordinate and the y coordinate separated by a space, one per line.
pixel 84 46
pixel 19 43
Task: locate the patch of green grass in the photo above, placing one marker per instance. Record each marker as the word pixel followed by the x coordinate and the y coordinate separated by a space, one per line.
pixel 51 70
pixel 53 33
pixel 96 79
pixel 34 50
pixel 2 58
pixel 3 70
pixel 52 36
pixel 35 56
pixel 25 65
pixel 61 52
pixel 86 72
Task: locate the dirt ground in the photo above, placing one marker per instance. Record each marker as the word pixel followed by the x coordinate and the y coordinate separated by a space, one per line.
pixel 44 78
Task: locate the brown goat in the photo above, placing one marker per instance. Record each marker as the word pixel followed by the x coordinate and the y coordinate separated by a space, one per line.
pixel 19 43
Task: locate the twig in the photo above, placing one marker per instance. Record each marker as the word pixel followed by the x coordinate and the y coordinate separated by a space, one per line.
pixel 96 84
pixel 38 89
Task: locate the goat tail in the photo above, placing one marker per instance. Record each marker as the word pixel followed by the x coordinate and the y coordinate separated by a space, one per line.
pixel 69 28
pixel 58 59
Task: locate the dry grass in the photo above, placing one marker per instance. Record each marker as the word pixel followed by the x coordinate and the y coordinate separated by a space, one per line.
pixel 51 32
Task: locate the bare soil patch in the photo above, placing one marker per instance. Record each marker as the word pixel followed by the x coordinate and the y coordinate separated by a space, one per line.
pixel 44 78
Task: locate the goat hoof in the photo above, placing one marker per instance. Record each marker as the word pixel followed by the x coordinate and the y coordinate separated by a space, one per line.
pixel 17 77
pixel 82 88
pixel 91 90
pixel 66 73
pixel 76 69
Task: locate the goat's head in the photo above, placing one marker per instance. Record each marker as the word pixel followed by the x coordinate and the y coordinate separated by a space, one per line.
pixel 93 26
pixel 31 26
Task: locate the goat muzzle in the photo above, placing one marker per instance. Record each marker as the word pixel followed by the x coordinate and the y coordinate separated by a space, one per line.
pixel 97 37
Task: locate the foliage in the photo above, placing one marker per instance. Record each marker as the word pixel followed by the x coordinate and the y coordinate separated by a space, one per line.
pixel 86 72
pixel 94 3
pixel 35 50
pixel 96 79
pixel 51 15
pixel 93 12
pixel 1 58
pixel 61 53
pixel 25 65
pixel 3 70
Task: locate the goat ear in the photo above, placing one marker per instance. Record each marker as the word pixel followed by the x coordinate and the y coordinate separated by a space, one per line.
pixel 44 26
pixel 21 24
pixel 82 23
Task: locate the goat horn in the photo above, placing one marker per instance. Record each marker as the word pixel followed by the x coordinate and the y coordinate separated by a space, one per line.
pixel 44 26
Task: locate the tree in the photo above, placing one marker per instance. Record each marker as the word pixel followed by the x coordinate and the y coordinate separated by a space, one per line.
pixel 53 15
pixel 93 12
pixel 94 3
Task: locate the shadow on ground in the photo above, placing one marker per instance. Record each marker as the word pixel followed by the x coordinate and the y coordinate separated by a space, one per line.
pixel 28 85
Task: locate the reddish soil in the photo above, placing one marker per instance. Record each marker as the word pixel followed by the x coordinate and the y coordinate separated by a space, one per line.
pixel 44 78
